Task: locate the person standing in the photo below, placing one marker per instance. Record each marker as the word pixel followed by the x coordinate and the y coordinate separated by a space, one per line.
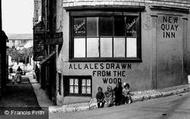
pixel 118 93
pixel 18 75
pixel 37 72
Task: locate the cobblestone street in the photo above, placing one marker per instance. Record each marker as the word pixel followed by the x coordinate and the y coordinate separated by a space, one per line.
pixel 19 95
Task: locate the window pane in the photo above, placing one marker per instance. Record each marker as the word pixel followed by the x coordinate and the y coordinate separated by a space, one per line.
pixel 106 47
pixel 79 27
pixel 83 90
pixel 79 47
pixel 76 81
pixel 88 90
pixel 71 81
pixel 119 47
pixel 71 89
pixel 131 47
pixel 92 26
pixel 83 82
pixel 131 26
pixel 76 89
pixel 88 82
pixel 92 47
pixel 106 26
pixel 119 26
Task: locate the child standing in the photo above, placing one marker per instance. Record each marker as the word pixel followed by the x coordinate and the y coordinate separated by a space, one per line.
pixel 100 98
pixel 127 94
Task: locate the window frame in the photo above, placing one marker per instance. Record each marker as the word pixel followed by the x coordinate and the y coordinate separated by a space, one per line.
pixel 85 14
pixel 67 85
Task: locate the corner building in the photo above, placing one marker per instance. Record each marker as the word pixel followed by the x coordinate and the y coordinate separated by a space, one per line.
pixel 142 42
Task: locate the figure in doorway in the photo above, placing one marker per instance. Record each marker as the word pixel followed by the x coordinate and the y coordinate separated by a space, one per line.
pixel 37 72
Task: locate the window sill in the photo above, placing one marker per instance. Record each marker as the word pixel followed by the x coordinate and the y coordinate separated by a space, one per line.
pixel 105 60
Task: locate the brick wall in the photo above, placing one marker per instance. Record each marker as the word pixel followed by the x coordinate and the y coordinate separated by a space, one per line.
pixel 168 3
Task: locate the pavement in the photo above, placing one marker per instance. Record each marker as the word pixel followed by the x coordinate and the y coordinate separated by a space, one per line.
pixel 137 96
pixel 169 107
pixel 41 95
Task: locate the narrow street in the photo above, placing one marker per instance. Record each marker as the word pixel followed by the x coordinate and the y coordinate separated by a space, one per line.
pixel 20 102
pixel 172 107
pixel 19 95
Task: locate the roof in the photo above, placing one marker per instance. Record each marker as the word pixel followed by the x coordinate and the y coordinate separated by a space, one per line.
pixel 20 36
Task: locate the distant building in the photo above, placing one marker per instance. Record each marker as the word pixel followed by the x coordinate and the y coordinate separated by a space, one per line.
pixel 47 43
pixel 20 40
pixel 142 42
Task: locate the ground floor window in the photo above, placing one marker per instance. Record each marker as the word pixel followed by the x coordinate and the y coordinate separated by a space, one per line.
pixel 78 85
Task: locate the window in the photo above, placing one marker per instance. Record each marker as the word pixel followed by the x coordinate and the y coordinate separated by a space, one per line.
pixel 78 85
pixel 74 86
pixel 110 37
pixel 59 88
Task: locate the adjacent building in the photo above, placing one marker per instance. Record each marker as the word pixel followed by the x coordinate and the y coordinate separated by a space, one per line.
pixel 3 57
pixel 47 44
pixel 142 42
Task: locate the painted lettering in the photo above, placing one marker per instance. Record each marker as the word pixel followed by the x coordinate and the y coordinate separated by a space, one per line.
pixel 111 80
pixel 119 73
pixel 102 73
pixel 169 27
pixel 169 35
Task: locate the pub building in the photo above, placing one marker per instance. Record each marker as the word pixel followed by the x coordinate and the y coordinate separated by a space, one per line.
pixel 142 42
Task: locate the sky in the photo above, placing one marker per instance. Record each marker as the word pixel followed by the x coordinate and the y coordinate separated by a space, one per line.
pixel 17 16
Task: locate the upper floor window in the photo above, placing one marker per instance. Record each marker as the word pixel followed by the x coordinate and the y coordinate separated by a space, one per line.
pixel 110 37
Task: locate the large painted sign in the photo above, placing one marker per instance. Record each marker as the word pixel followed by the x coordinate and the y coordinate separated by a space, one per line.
pixel 169 26
pixel 109 73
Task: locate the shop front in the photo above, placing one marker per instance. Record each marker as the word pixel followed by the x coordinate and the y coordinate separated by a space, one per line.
pixel 144 46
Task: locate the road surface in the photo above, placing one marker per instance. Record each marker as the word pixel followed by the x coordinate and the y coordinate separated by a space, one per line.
pixel 172 107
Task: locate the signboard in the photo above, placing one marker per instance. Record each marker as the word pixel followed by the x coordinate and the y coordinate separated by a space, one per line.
pixel 38 47
pixel 109 73
pixel 54 38
pixel 169 26
pixel 41 39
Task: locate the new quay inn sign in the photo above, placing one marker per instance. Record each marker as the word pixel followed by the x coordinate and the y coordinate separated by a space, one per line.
pixel 169 26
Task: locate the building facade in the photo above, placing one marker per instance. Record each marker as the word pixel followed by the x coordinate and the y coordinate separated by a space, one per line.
pixel 47 44
pixel 141 42
pixel 3 57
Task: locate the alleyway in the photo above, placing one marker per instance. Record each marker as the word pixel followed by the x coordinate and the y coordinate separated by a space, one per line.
pixel 19 95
